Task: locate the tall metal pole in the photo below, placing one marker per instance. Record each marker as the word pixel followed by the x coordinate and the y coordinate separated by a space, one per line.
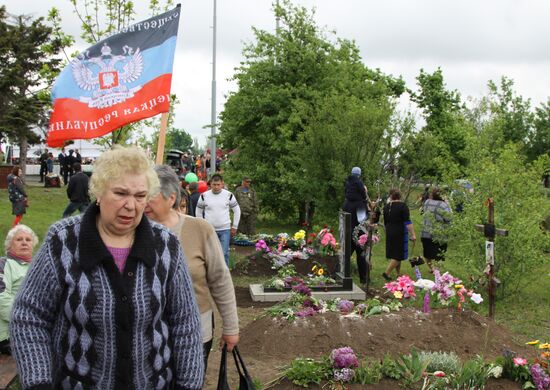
pixel 213 109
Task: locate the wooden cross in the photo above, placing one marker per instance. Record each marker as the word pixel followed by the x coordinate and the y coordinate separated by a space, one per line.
pixel 490 232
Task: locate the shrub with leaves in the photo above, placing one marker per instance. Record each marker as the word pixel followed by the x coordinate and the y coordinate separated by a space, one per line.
pixel 472 376
pixel 303 372
pixel 449 363
pixel 519 207
pixel 411 368
pixel 368 373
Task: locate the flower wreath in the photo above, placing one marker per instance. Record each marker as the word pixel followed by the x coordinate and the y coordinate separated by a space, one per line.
pixel 361 230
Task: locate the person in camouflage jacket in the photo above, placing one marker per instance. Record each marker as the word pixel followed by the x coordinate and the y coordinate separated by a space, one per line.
pixel 246 196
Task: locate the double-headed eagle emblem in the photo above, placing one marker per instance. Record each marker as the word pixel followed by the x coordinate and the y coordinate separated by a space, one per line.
pixel 106 75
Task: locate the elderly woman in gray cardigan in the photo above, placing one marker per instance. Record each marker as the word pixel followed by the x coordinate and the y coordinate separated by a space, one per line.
pixel 108 301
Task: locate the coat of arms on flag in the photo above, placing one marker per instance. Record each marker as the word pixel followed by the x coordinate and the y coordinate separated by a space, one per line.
pixel 122 79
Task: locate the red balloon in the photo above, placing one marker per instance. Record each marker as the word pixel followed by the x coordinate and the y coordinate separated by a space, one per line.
pixel 202 186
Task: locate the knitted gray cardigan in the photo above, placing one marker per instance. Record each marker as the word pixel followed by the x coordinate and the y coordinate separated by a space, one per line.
pixel 78 323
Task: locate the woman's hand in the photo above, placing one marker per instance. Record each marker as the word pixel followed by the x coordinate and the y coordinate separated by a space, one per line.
pixel 230 339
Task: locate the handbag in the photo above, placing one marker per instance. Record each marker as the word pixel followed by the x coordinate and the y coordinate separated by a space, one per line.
pixel 245 381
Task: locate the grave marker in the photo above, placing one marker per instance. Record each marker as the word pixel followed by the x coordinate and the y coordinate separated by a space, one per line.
pixel 490 232
pixel 344 229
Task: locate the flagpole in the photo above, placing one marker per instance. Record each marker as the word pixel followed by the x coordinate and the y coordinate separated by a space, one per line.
pixel 162 138
pixel 213 108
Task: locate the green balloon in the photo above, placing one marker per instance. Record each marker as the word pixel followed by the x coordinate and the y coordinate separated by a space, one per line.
pixel 191 177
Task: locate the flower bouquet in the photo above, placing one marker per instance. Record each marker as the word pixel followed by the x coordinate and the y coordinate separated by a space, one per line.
pixel 403 287
pixel 325 242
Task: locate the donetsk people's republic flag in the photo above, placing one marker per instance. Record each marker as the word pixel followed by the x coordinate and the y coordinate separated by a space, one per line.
pixel 122 79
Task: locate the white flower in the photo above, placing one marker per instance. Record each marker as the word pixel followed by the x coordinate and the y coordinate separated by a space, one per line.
pixel 476 298
pixel 495 371
pixel 278 283
pixel 425 284
pixel 385 309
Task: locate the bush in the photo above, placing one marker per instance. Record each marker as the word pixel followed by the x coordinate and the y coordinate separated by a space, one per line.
pixel 449 363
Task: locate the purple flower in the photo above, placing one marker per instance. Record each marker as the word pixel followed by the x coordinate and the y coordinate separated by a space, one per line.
pixel 344 358
pixel 540 378
pixel 306 312
pixel 345 306
pixel 344 375
pixel 302 289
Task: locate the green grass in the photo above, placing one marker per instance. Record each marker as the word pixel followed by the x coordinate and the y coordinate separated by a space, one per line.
pixel 527 313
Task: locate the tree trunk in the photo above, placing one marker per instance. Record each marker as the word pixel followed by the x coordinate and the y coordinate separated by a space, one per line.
pixel 23 147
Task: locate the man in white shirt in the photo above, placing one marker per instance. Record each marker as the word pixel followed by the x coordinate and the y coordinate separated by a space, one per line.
pixel 214 205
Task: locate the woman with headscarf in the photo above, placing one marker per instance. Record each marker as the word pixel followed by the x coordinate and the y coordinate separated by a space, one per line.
pixel 204 256
pixel 17 194
pixel 19 245
pixel 108 302
pixel 355 203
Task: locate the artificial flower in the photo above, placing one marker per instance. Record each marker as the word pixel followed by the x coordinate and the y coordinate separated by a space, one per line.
pixel 476 298
pixel 398 294
pixel 299 235
pixel 518 361
pixel 344 375
pixel 320 272
pixel 345 306
pixel 439 374
pixel 495 371
pixel 425 284
pixel 534 342
pixel 544 346
pixel 344 358
pixel 459 286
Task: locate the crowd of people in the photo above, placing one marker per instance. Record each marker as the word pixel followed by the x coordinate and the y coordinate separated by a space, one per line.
pixel 397 225
pixel 135 279
pixel 131 282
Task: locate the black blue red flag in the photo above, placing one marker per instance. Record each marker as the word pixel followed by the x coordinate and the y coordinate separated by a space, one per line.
pixel 121 79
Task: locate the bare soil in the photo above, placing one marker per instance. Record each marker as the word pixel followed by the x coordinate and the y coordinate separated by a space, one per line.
pixel 268 344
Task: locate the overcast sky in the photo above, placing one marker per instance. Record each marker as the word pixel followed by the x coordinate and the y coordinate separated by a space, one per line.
pixel 472 41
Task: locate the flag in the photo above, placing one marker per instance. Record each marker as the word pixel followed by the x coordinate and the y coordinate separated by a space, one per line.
pixel 121 79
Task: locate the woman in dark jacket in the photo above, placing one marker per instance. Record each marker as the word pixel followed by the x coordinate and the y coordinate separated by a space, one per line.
pixel 17 194
pixel 398 225
pixel 356 204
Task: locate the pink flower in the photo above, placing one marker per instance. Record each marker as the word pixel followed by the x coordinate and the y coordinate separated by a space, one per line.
pixel 362 240
pixel 439 374
pixel 518 361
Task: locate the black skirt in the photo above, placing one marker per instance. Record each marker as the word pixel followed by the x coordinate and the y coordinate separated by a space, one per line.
pixel 433 250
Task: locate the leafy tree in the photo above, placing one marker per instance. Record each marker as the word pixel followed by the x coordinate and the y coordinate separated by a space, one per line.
pixel 439 149
pixel 285 83
pixel 180 139
pixel 511 112
pixel 538 140
pixel 520 207
pixel 29 64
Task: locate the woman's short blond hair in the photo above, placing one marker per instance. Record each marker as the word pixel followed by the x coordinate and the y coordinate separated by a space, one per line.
pixel 18 229
pixel 118 162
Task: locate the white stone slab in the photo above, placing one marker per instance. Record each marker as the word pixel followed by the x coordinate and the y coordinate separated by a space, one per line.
pixel 259 295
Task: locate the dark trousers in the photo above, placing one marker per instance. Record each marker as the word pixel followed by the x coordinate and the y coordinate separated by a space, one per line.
pixel 43 171
pixel 73 206
pixel 206 348
pixel 361 262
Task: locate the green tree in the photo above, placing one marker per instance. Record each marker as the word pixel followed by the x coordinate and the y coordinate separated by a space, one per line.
pixel 538 139
pixel 440 147
pixel 520 207
pixel 29 60
pixel 511 113
pixel 273 117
